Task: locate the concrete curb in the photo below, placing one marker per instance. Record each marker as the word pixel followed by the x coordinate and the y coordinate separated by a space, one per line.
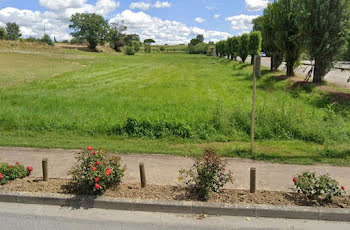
pixel 187 207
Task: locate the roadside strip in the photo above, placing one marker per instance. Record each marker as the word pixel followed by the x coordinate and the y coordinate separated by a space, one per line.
pixel 186 207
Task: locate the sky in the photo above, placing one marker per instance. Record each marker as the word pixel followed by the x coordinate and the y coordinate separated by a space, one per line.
pixel 165 21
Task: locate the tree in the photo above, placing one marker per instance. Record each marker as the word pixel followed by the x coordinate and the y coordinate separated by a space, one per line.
pixel 258 24
pixel 46 39
pixel 136 45
pixel 234 47
pixel 244 47
pixel 117 36
pixel 149 41
pixel 13 32
pixel 322 24
pixel 288 38
pixel 269 35
pixel 2 33
pixel 92 27
pixel 211 43
pixel 129 38
pixel 200 38
pixel 254 44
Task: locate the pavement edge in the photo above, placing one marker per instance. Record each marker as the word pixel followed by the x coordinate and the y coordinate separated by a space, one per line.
pixel 187 207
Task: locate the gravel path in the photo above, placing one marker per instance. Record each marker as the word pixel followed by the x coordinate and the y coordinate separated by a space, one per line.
pixel 163 169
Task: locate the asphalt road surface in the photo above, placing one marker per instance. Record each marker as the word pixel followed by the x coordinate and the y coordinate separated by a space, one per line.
pixel 28 217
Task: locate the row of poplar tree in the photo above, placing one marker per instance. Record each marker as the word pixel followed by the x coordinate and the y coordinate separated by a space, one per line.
pixel 289 28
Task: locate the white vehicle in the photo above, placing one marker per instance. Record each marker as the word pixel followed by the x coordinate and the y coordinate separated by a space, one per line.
pixel 263 54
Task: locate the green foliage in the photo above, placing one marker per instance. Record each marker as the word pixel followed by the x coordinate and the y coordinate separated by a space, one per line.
pixel 149 41
pixel 46 39
pixel 129 50
pixel 199 48
pixel 322 24
pixel 312 186
pixel 258 24
pixel 234 47
pixel 13 32
pixel 162 49
pixel 287 37
pixel 2 33
pixel 11 172
pixel 148 48
pixel 96 171
pixel 208 174
pixel 117 36
pixel 254 44
pixel 136 45
pixel 200 38
pixel 154 130
pixel 92 27
pixel 244 47
pixel 130 38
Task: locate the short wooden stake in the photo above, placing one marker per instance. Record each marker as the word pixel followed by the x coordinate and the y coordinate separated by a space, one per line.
pixel 142 175
pixel 252 180
pixel 45 170
pixel 256 74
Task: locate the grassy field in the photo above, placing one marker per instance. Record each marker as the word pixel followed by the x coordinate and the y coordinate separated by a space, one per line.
pixel 165 103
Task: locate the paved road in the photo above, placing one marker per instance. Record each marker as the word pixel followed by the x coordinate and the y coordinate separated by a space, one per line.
pixel 164 169
pixel 30 217
pixel 335 76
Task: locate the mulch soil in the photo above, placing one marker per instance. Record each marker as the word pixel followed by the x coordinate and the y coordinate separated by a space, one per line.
pixel 158 192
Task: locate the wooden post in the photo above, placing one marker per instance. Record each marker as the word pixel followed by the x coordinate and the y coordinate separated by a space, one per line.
pixel 45 170
pixel 256 74
pixel 142 175
pixel 252 180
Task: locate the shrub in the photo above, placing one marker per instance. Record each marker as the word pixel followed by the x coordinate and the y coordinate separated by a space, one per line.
pixel 206 175
pixel 46 39
pixel 148 48
pixel 136 45
pixel 11 172
pixel 312 186
pixel 96 171
pixel 200 48
pixel 162 49
pixel 129 50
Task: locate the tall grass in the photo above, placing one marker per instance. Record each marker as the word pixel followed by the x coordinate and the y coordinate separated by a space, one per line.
pixel 178 95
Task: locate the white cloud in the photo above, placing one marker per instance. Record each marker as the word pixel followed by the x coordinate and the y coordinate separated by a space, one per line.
pixel 56 20
pixel 210 7
pixel 160 4
pixel 216 16
pixel 61 4
pixel 140 5
pixel 163 31
pixel 256 5
pixel 199 20
pixel 241 22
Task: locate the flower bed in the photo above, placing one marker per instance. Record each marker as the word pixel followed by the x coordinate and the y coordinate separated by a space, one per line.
pixel 179 193
pixel 10 172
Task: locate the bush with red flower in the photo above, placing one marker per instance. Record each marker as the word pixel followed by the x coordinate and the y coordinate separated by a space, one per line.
pixel 96 171
pixel 11 172
pixel 313 186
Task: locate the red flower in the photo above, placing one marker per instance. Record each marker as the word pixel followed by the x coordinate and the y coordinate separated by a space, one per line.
pixel 94 152
pixel 1 176
pixel 94 168
pixel 90 148
pixel 108 172
pixel 30 168
pixel 17 163
pixel 11 166
pixel 294 180
pixel 98 163
pixel 97 179
pixel 342 188
pixel 97 186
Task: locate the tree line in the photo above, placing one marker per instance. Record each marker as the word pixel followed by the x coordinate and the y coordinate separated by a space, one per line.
pixel 240 46
pixel 318 29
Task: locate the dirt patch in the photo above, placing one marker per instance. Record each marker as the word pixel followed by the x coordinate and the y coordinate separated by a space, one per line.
pixel 158 192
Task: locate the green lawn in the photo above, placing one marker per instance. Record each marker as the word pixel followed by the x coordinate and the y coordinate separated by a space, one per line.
pixel 165 103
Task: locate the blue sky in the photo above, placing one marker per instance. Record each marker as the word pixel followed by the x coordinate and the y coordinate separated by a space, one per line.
pixel 169 21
